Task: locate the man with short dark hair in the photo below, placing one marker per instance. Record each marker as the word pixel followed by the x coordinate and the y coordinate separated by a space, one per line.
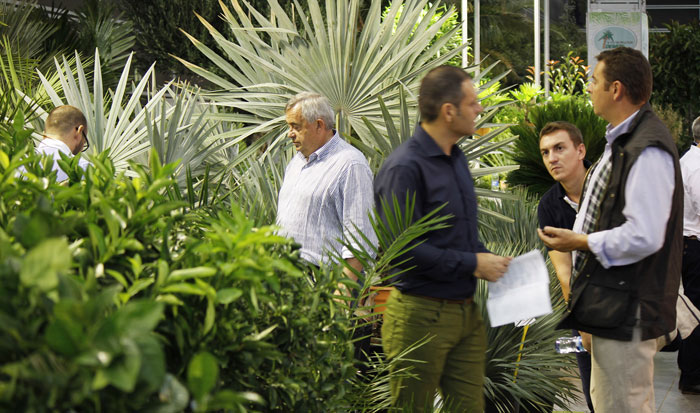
pixel 627 239
pixel 65 131
pixel 327 190
pixel 689 351
pixel 563 154
pixel 434 290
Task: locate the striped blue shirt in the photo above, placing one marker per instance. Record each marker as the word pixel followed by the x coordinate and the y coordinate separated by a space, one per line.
pixel 323 198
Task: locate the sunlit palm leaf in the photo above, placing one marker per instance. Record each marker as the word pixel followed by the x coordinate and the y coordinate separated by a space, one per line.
pixel 269 60
pixel 116 120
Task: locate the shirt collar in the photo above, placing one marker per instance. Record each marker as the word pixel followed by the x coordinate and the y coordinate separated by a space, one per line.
pixel 325 150
pixel 428 144
pixel 613 133
pixel 56 144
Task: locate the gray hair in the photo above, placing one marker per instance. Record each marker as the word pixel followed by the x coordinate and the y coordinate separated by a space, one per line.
pixel 313 106
pixel 696 129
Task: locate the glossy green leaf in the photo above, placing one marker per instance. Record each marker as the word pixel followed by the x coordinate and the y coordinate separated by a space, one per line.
pixel 202 374
pixel 43 263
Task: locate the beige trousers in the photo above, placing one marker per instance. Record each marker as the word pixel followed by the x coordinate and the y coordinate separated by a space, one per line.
pixel 622 375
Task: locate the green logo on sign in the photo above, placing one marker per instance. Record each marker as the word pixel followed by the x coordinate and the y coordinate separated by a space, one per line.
pixel 612 37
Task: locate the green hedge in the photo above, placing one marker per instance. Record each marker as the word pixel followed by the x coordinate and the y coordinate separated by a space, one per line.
pixel 128 294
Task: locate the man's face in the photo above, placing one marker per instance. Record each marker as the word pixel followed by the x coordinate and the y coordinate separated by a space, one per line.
pixel 307 137
pixel 559 154
pixel 467 111
pixel 600 97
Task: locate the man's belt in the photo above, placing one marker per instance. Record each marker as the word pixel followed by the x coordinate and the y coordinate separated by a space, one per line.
pixel 441 300
pixel 692 237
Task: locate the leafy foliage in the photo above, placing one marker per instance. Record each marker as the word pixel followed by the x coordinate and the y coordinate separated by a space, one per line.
pixel 39 34
pixel 569 76
pixel 135 300
pixel 173 120
pixel 102 28
pixel 672 54
pixel 674 122
pixel 526 151
pixel 535 373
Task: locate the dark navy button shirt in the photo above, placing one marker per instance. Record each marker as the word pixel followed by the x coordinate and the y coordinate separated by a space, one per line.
pixel 553 210
pixel 443 265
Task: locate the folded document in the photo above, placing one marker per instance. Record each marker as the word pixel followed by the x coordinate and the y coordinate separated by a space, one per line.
pixel 522 292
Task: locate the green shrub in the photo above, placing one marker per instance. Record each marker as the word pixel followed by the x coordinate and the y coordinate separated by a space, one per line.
pixel 674 63
pixel 526 150
pixel 116 294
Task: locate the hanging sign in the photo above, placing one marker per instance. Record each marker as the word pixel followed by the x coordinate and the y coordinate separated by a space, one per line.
pixel 608 30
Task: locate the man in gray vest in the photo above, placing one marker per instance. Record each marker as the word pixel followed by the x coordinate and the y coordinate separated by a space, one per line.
pixel 627 240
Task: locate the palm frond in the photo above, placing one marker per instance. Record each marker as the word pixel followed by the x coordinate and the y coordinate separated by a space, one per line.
pixel 269 60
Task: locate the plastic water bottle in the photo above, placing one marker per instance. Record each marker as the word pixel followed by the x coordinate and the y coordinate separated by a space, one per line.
pixel 564 345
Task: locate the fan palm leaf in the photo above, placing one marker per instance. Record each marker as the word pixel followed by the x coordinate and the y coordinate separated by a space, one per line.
pixel 172 120
pixel 350 59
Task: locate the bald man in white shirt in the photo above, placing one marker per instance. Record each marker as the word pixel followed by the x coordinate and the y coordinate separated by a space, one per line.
pixel 65 131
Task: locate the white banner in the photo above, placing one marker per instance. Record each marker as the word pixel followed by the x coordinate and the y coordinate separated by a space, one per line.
pixel 608 30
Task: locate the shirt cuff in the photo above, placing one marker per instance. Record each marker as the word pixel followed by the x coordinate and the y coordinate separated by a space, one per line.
pixel 596 243
pixel 469 262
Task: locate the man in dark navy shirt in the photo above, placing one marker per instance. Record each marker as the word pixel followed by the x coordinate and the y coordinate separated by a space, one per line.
pixel 434 290
pixel 563 153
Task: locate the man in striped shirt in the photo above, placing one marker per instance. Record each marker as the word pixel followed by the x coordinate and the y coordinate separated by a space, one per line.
pixel 327 188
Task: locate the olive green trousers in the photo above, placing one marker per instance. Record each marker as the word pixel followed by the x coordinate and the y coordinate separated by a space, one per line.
pixel 453 361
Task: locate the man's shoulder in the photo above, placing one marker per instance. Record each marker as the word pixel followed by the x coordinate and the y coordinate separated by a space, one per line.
pixel 348 154
pixel 552 199
pixel 553 193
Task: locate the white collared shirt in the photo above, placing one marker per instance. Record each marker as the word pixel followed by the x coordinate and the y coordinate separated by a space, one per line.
pixel 690 168
pixel 648 196
pixel 323 199
pixel 50 146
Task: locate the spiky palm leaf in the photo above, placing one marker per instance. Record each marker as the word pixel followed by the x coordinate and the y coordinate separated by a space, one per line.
pixel 351 59
pixel 116 120
pixel 179 129
pixel 101 28
pixel 541 373
pixel 173 120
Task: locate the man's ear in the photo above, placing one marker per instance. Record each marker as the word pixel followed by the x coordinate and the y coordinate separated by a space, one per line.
pixel 581 151
pixel 448 111
pixel 618 90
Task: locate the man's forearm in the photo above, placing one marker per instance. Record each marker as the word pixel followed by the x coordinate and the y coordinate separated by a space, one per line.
pixel 353 264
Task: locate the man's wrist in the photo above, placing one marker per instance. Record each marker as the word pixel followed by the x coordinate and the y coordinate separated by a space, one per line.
pixel 582 243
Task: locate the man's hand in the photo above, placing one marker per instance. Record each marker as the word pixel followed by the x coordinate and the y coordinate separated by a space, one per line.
pixel 490 267
pixel 586 340
pixel 563 240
